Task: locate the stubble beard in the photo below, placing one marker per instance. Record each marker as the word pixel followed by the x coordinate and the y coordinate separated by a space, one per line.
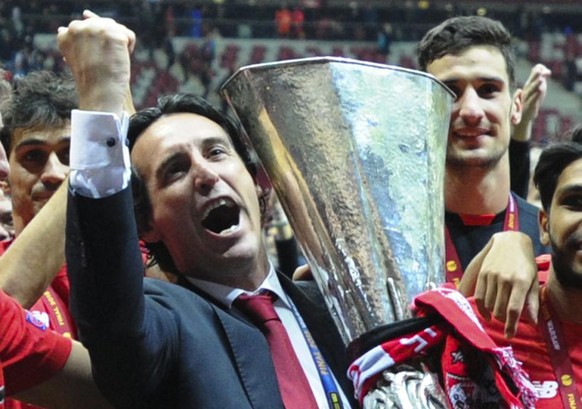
pixel 563 270
pixel 461 161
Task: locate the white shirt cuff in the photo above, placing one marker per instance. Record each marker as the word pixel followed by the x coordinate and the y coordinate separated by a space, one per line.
pixel 99 158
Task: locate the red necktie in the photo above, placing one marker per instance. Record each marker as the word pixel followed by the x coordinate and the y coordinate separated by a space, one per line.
pixel 293 384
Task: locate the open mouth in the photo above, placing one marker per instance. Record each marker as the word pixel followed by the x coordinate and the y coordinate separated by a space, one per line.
pixel 222 217
pixel 471 135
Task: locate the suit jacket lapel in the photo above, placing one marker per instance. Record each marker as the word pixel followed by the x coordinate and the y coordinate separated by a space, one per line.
pixel 250 352
pixel 321 326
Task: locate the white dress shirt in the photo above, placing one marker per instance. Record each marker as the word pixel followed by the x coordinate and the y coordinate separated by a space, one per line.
pixel 284 308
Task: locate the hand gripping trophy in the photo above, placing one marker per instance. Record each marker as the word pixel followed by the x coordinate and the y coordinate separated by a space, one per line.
pixel 355 152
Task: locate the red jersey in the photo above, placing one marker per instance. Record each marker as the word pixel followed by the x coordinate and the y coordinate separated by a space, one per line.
pixel 52 310
pixel 31 353
pixel 530 348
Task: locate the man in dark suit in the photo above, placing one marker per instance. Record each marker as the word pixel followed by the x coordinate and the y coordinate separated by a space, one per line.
pixel 198 208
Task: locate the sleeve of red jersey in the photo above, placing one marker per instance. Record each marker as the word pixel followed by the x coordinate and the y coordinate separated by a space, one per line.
pixel 30 353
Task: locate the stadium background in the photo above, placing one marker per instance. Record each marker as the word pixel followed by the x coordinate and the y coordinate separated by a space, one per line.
pixel 195 45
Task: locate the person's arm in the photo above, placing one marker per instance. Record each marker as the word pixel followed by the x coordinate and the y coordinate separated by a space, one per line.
pixel 503 279
pixel 519 167
pixel 129 337
pixel 534 93
pixel 34 258
pixel 86 55
pixel 72 387
pixel 42 367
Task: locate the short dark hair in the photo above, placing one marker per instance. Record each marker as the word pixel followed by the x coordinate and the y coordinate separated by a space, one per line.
pixel 140 121
pixel 456 34
pixel 39 99
pixel 552 162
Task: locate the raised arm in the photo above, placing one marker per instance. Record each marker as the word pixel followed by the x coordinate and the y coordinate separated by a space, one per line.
pixel 36 256
pixel 103 255
pixel 534 92
pixel 85 49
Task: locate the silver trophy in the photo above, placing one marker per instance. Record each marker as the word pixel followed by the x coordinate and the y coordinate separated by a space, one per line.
pixel 355 152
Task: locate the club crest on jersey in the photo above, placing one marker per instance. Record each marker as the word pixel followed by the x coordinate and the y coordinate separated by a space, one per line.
pixel 35 318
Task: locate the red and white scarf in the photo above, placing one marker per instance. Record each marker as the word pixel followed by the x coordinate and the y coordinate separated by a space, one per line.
pixel 466 349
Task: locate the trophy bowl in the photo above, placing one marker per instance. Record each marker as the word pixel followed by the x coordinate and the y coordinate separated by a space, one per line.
pixel 355 152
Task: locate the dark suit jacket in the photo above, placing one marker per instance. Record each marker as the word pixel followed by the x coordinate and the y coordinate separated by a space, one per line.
pixel 174 347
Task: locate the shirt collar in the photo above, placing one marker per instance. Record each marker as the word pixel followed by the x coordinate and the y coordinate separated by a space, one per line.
pixel 226 295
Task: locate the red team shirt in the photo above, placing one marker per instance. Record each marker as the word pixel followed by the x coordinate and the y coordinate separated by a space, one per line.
pixel 52 311
pixel 40 352
pixel 30 352
pixel 52 308
pixel 530 348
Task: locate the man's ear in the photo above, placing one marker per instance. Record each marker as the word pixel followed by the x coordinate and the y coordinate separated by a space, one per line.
pixel 544 223
pixel 517 107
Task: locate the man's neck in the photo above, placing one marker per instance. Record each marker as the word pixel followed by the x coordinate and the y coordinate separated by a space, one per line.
pixel 565 301
pixel 476 191
pixel 245 277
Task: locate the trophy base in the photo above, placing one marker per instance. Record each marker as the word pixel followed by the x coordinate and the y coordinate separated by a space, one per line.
pixel 411 385
pixel 406 387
